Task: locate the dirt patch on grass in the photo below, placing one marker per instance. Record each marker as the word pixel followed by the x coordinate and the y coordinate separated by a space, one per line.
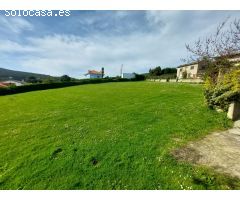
pixel 55 153
pixel 94 161
pixel 219 150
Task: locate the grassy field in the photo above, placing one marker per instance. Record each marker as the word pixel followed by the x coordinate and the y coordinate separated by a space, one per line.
pixel 106 136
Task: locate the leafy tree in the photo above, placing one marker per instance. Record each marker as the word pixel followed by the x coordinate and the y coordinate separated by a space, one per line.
pixel 32 79
pixel 160 72
pixel 65 78
pixel 48 80
pixel 156 71
pixel 169 70
pixel 139 77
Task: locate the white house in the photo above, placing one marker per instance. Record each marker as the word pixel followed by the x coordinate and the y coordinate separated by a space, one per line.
pixel 128 75
pixel 191 70
pixel 196 70
pixel 13 82
pixel 94 74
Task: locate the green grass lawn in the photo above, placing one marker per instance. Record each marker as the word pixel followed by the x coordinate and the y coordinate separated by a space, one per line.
pixel 106 136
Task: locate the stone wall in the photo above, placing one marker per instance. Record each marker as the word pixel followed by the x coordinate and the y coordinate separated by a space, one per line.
pixel 234 111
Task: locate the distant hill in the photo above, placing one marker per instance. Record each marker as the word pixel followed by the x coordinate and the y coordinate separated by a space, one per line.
pixel 5 74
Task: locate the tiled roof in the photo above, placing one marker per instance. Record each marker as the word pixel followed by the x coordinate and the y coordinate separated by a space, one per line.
pixel 3 85
pixel 94 72
pixel 184 65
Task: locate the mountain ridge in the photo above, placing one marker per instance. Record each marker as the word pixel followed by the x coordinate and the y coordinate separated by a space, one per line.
pixel 5 74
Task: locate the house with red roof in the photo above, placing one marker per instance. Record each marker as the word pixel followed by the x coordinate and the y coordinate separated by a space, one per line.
pixel 95 74
pixel 2 85
pixel 10 83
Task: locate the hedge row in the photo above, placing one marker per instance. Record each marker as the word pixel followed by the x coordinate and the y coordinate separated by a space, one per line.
pixel 45 86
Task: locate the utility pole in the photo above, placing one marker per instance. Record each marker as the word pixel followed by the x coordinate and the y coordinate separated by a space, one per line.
pixel 102 71
pixel 121 70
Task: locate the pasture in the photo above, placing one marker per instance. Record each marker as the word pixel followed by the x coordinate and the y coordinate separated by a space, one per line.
pixel 106 136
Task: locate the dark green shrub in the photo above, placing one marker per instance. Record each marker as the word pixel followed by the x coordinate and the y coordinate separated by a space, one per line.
pixel 226 90
pixel 139 77
pixel 65 78
pixel 157 71
pixel 33 79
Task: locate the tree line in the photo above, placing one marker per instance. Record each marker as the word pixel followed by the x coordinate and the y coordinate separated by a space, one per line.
pixel 33 79
pixel 158 71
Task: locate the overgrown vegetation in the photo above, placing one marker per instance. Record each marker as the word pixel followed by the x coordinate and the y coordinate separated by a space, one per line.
pixel 224 91
pixel 103 136
pixel 218 52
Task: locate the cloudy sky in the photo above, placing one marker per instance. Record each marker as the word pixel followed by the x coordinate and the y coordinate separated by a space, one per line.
pixel 94 39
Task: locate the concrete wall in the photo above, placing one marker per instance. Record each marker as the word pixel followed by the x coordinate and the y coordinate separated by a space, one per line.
pixel 234 111
pixel 94 76
pixel 173 80
pixel 190 81
pixel 179 81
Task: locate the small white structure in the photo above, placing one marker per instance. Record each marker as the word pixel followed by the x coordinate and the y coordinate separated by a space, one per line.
pixel 94 74
pixel 128 75
pixel 13 82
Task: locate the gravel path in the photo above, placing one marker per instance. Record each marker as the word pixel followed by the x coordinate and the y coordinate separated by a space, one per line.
pixel 219 150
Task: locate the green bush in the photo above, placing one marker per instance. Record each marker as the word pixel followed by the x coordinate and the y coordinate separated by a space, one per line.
pixel 65 78
pixel 184 74
pixel 224 91
pixel 139 77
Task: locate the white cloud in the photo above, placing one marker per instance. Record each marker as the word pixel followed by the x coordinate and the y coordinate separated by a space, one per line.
pixel 163 45
pixel 8 46
pixel 69 54
pixel 15 24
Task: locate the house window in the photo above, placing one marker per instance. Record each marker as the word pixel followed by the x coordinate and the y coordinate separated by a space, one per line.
pixel 192 67
pixel 180 69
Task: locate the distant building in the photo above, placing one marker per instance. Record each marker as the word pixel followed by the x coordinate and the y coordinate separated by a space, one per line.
pixel 196 70
pixel 128 75
pixel 95 74
pixel 191 70
pixel 12 82
pixel 2 85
